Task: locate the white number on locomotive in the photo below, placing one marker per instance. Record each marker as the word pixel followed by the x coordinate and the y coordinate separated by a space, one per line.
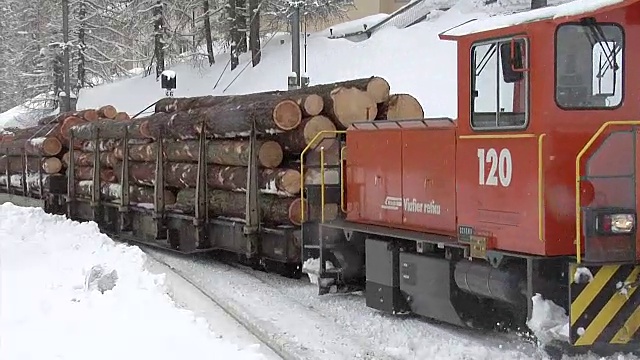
pixel 501 167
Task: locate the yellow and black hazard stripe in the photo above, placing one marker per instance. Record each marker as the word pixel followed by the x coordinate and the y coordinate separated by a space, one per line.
pixel 606 309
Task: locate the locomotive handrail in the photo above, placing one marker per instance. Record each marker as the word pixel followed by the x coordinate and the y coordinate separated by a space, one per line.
pixel 304 151
pixel 342 202
pixel 584 150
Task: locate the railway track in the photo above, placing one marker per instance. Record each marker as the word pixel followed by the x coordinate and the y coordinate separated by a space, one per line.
pixel 340 326
pixel 254 330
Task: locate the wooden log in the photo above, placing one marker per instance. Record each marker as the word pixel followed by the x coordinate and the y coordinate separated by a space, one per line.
pixel 221 152
pixel 108 144
pixel 311 104
pixel 109 129
pixel 331 155
pixel 296 140
pixel 313 176
pixel 33 181
pixel 348 105
pixel 44 146
pixel 49 165
pixel 313 213
pixel 86 173
pixel 87 114
pixel 400 107
pixel 107 159
pixel 122 116
pixel 274 210
pixel 376 87
pixel 107 111
pixel 227 120
pixel 113 192
pixel 284 182
pixel 69 123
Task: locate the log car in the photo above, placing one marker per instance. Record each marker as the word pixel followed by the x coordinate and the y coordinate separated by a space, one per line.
pixel 157 224
pixel 532 190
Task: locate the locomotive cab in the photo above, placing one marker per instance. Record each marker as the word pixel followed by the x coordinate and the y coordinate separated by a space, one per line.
pixel 531 191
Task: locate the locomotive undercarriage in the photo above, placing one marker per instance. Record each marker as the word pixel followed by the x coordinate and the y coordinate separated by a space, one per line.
pixel 433 276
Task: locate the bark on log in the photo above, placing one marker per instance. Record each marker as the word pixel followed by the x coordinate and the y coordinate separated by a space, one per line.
pixel 113 192
pixel 273 209
pixel 107 111
pixel 376 87
pixel 227 120
pixel 33 181
pixel 313 213
pixel 88 114
pixel 107 159
pixel 285 182
pixel 109 144
pixel 222 152
pixel 331 156
pixel 311 104
pixel 69 123
pixel 400 107
pixel 313 176
pixel 296 140
pixel 44 146
pixel 107 129
pixel 49 165
pixel 86 173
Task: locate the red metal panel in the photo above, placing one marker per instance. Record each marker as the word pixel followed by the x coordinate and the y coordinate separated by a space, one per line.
pixel 498 190
pixel 374 180
pixel 429 180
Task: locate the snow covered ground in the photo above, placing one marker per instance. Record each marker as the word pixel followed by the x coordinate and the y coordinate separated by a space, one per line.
pixel 342 327
pixel 47 311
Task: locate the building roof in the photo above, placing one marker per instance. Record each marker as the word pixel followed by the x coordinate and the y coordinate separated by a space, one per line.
pixel 571 9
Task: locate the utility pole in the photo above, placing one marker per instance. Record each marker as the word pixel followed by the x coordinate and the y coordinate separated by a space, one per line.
pixel 66 100
pixel 294 78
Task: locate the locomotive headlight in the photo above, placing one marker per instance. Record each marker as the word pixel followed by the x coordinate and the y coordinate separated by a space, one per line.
pixel 616 223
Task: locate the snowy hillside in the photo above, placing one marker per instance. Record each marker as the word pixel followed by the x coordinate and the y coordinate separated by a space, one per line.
pixel 413 60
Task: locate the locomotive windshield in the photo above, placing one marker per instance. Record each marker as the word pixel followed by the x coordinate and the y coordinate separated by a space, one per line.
pixel 589 71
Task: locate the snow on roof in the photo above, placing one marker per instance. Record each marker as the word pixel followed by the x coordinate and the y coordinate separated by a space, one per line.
pixel 572 8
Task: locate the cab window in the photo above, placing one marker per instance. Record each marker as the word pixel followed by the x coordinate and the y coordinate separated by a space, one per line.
pixel 589 71
pixel 499 85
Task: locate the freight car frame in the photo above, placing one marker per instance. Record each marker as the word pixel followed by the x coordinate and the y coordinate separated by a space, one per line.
pixel 494 237
pixel 253 243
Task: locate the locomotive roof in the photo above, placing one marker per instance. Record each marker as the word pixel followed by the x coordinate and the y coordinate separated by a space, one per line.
pixel 576 8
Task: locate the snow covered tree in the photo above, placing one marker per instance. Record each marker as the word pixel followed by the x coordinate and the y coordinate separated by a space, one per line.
pixel 278 12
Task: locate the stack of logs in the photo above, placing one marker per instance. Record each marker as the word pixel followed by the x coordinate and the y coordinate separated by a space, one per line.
pixel 286 121
pixel 44 146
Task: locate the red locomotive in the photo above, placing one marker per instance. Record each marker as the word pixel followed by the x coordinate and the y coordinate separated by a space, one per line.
pixel 531 190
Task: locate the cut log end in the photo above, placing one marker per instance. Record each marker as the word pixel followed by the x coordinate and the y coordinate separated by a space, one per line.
pixel 352 105
pixel 90 115
pixel 404 106
pixel 287 115
pixel 68 123
pixel 316 125
pixel 295 211
pixel 51 146
pixel 378 89
pixel 108 111
pixel 290 181
pixel 313 104
pixel 51 165
pixel 122 116
pixel 270 154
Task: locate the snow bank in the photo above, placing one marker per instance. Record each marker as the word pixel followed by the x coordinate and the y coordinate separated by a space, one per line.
pixel 45 261
pixel 548 320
